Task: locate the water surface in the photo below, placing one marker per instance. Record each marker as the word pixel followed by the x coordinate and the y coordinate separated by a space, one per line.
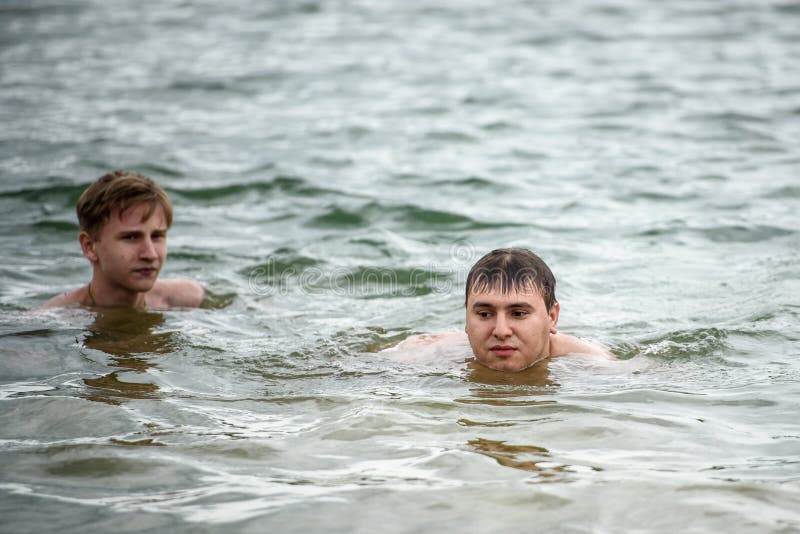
pixel 336 167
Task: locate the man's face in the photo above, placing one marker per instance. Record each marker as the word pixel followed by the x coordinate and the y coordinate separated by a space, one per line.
pixel 509 332
pixel 129 251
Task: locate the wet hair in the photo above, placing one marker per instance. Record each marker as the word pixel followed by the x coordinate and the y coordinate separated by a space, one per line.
pixel 119 190
pixel 512 269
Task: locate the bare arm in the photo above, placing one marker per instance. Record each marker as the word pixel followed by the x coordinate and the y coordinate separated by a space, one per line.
pixel 429 347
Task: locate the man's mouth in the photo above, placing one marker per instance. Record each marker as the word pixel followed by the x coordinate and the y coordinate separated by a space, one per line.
pixel 146 271
pixel 503 351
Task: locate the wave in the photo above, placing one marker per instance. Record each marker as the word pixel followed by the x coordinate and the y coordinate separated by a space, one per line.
pixel 381 282
pixel 337 217
pixel 417 217
pixel 721 234
pixel 56 226
pixel 682 344
pixel 657 196
pixel 65 195
pixel 743 234
pixel 287 184
pixel 471 182
pixel 789 191
pixel 282 263
pixel 410 216
pixel 290 269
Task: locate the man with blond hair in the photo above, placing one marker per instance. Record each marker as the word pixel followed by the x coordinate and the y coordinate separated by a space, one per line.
pixel 124 218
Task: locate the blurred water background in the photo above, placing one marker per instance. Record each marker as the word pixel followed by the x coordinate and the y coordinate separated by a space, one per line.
pixel 336 166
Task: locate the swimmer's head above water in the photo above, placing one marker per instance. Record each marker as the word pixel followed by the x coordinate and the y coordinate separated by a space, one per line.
pixel 512 312
pixel 124 218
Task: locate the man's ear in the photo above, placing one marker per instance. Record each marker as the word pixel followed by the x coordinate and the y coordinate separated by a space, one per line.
pixel 555 309
pixel 88 246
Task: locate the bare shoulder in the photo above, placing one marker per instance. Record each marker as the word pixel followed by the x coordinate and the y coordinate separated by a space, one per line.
pixel 179 293
pixel 562 344
pixel 70 298
pixel 424 347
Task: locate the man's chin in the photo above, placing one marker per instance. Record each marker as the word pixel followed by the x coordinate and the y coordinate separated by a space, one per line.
pixel 142 286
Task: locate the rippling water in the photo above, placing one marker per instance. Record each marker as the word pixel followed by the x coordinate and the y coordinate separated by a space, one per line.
pixel 336 168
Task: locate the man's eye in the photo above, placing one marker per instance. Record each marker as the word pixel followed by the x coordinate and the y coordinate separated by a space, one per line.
pixel 520 314
pixel 484 314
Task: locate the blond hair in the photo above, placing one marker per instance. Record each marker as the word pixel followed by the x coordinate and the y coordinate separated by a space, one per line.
pixel 119 190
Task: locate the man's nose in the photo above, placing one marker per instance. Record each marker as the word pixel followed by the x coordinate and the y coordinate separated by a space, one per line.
pixel 148 250
pixel 502 328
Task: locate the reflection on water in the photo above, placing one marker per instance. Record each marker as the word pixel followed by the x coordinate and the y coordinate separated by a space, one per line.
pixel 535 375
pixel 147 442
pixel 519 387
pixel 524 457
pixel 128 336
pixel 123 333
pixel 108 388
pixel 510 398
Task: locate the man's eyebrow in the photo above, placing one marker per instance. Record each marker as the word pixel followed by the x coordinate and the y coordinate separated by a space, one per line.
pixel 156 231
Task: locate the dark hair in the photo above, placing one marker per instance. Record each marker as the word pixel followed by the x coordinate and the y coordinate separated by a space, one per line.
pixel 512 269
pixel 120 190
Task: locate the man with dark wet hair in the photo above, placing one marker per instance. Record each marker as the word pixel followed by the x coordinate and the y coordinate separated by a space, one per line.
pixel 510 269
pixel 511 317
pixel 124 217
pixel 512 312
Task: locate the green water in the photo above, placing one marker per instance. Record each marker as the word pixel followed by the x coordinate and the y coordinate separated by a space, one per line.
pixel 336 168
